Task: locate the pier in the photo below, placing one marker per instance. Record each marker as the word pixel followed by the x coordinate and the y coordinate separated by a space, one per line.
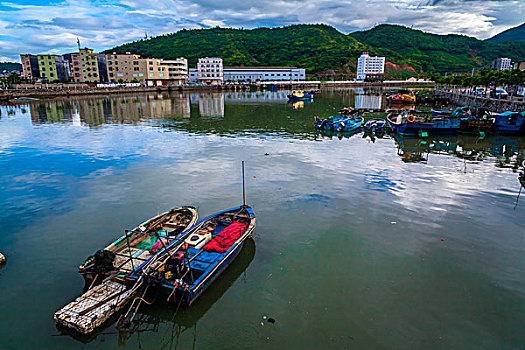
pixel 461 96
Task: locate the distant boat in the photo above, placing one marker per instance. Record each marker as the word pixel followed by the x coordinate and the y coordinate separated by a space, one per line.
pixel 133 249
pixel 374 125
pixel 401 96
pixel 300 95
pixel 347 111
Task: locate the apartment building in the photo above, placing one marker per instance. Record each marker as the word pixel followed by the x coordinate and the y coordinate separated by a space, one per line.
pixel 30 68
pixel 502 63
pixel 164 72
pixel 125 67
pixel 210 70
pixel 53 67
pixel 89 65
pixel 370 67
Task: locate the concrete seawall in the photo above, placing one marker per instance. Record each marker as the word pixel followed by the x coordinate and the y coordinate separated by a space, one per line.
pixel 461 97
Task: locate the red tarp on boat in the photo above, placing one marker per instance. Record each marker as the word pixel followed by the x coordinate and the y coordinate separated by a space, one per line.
pixel 226 238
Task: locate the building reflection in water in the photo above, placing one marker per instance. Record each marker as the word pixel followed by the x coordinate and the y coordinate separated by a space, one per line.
pixel 368 99
pixel 115 110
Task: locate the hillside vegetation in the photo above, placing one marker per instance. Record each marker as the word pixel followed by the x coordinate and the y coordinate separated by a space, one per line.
pixel 324 51
pixel 512 34
pixel 435 53
pixel 315 47
pixel 10 66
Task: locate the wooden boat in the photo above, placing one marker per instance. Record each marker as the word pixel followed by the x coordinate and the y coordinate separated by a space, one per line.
pixel 374 125
pixel 135 247
pixel 509 123
pixel 347 111
pixel 329 123
pixel 410 124
pixel 349 124
pixel 187 267
pixel 401 96
pixel 300 95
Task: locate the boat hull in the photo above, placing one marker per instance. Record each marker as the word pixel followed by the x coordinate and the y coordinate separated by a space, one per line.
pixel 438 127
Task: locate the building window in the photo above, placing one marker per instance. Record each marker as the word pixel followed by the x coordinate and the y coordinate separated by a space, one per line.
pixel 135 74
pixel 120 75
pixel 151 74
pixel 141 75
pixel 161 74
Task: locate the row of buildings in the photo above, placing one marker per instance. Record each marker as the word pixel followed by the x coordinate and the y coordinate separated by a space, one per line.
pixel 86 66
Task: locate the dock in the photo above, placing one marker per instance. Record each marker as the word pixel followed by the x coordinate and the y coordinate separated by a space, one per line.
pixel 94 307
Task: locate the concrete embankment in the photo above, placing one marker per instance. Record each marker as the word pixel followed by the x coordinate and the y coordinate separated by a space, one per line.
pixel 49 91
pixel 462 97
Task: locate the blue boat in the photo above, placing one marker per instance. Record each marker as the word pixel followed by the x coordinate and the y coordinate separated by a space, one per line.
pixel 300 95
pixel 349 124
pixel 374 125
pixel 192 262
pixel 409 124
pixel 329 123
pixel 509 123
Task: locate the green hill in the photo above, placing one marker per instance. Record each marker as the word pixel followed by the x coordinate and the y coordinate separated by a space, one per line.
pixel 512 34
pixel 435 53
pixel 10 66
pixel 324 51
pixel 315 47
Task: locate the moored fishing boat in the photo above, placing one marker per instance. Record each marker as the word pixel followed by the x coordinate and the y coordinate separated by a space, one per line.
pixel 187 267
pixel 401 96
pixel 350 124
pixel 374 125
pixel 509 123
pixel 329 123
pixel 412 124
pixel 300 95
pixel 138 245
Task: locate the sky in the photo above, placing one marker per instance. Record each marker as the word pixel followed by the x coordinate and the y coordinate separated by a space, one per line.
pixel 44 26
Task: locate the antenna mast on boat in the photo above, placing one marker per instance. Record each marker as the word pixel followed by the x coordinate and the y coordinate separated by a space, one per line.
pixel 243 189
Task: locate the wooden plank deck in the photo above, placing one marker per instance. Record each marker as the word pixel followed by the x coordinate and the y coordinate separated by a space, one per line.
pixel 94 307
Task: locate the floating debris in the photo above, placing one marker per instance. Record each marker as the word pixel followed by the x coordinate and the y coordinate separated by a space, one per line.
pixel 2 258
pixel 271 320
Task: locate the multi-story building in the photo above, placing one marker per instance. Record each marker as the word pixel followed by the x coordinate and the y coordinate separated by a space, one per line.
pixel 370 67
pixel 253 74
pixel 210 70
pixel 75 68
pixel 502 63
pixel 125 67
pixel 89 64
pixel 177 70
pixel 30 68
pixel 164 72
pixel 53 67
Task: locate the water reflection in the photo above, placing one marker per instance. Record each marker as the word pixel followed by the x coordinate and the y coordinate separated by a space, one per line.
pixel 509 150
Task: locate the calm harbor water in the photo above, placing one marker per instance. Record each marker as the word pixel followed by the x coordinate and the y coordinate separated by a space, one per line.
pixel 360 243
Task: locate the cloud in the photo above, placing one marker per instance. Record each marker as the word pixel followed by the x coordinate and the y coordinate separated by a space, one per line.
pixel 101 24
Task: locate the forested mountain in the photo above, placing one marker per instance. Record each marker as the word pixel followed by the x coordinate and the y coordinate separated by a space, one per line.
pixel 435 53
pixel 512 34
pixel 315 47
pixel 10 66
pixel 323 50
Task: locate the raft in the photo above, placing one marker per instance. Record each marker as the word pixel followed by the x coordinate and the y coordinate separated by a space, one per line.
pixel 94 307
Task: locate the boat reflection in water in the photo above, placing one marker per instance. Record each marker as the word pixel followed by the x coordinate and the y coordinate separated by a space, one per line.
pixel 509 150
pixel 161 313
pixel 321 133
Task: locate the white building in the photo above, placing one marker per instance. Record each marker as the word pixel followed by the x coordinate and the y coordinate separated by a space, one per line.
pixel 370 67
pixel 254 74
pixel 502 63
pixel 210 71
pixel 192 75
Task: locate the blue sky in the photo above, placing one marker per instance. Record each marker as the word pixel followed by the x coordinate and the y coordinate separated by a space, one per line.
pixel 42 26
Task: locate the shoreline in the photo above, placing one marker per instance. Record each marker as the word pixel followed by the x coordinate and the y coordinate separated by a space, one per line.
pixel 27 93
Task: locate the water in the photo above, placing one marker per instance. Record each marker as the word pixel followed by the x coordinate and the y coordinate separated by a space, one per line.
pixel 360 243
